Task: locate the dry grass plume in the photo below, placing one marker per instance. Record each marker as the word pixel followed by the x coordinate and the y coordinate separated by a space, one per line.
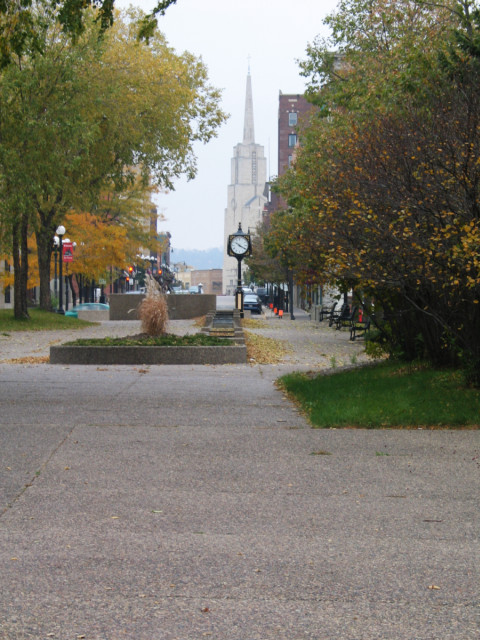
pixel 153 310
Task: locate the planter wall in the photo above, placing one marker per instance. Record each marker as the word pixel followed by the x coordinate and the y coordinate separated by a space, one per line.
pixel 66 354
pixel 123 306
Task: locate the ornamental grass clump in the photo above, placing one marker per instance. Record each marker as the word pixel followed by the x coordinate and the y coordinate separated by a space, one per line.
pixel 153 310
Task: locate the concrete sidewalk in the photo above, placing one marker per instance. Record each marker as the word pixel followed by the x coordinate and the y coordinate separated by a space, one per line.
pixel 190 502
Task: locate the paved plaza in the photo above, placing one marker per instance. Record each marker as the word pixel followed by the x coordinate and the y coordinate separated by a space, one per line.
pixel 191 502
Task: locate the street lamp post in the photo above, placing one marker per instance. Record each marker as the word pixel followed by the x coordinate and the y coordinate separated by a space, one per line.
pixel 67 240
pixel 60 234
pixel 55 254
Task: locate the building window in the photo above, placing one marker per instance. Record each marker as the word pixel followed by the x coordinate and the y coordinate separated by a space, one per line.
pixel 292 139
pixel 290 160
pixel 292 119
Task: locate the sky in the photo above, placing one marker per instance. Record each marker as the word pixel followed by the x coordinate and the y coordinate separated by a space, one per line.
pixel 229 36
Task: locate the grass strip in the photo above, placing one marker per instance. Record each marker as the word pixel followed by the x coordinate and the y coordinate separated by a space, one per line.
pixel 40 320
pixel 385 395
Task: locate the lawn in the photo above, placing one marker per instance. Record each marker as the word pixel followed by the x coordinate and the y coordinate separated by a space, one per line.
pixel 39 321
pixel 386 395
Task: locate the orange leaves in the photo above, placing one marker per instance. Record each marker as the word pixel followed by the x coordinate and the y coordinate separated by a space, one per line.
pixel 99 244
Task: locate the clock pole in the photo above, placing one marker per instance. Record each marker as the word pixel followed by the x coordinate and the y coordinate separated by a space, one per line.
pixel 239 246
pixel 239 291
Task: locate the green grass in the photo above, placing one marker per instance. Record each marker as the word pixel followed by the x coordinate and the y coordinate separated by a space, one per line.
pixel 386 395
pixel 167 340
pixel 39 321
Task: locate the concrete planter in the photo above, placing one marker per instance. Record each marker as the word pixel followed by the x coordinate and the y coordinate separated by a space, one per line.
pixel 66 354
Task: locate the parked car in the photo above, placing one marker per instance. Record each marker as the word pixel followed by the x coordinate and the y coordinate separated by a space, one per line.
pixel 195 289
pixel 86 306
pixel 262 293
pixel 91 306
pixel 251 302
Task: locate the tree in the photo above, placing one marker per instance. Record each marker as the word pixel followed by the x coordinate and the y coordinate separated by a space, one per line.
pixel 22 22
pixel 388 190
pixel 378 51
pixel 262 265
pixel 96 114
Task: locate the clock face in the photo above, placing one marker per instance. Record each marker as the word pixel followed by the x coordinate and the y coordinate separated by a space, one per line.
pixel 239 245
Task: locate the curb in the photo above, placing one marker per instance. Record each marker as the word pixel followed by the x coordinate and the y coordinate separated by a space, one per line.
pixel 235 354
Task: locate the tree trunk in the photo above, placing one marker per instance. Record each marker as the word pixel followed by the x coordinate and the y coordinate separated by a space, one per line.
pixel 20 266
pixel 44 250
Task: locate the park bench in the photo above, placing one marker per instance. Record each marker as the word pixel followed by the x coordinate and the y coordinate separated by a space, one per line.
pixel 326 312
pixel 359 328
pixel 346 318
pixel 337 313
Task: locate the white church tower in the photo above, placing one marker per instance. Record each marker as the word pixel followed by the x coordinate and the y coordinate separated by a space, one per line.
pixel 246 197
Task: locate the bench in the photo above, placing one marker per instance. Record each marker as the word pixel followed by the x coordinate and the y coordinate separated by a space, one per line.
pixel 326 312
pixel 337 313
pixel 346 318
pixel 359 328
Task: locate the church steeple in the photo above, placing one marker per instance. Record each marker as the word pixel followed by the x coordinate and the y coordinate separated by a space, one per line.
pixel 248 128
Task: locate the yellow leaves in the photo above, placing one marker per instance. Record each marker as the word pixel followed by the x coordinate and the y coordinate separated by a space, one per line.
pixel 263 350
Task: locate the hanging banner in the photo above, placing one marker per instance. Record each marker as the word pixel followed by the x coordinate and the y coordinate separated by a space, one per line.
pixel 67 248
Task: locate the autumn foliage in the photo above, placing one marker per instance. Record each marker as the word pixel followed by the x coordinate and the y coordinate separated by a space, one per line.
pixel 385 197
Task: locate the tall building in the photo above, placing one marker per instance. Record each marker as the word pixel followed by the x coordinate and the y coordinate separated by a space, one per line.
pixel 246 193
pixel 293 109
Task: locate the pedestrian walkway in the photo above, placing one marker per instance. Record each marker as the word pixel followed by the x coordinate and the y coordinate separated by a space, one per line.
pixel 190 502
pixel 311 345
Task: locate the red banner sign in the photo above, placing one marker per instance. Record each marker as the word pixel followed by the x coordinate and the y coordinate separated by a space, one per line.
pixel 67 248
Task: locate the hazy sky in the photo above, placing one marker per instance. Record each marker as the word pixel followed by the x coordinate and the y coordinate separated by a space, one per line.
pixel 227 34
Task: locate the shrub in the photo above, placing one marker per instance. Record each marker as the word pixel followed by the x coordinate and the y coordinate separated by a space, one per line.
pixel 153 311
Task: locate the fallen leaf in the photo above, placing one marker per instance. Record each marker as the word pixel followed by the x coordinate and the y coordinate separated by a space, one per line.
pixel 28 360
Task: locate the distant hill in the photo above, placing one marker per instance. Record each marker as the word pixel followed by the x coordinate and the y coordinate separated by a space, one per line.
pixel 206 259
